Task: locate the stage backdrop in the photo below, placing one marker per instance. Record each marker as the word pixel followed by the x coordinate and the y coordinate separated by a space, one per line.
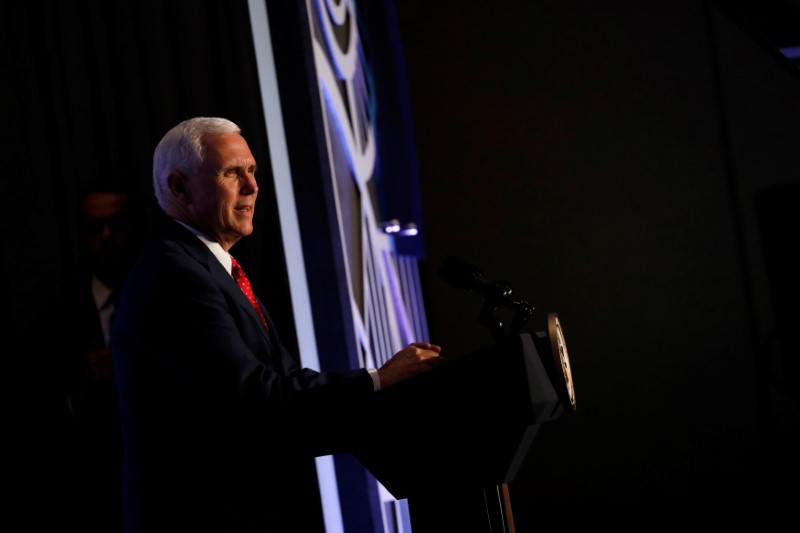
pixel 344 169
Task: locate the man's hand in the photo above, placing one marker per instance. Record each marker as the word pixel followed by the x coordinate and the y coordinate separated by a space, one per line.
pixel 414 359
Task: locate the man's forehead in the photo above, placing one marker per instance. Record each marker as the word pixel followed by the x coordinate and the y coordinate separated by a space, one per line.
pixel 103 203
pixel 227 149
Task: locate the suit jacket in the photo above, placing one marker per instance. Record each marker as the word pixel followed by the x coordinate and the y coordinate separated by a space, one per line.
pixel 89 417
pixel 220 424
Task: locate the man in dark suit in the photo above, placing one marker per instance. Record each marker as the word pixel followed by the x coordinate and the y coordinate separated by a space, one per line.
pixel 219 421
pixel 108 242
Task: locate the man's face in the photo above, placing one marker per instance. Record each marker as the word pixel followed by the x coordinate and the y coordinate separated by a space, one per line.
pixel 222 197
pixel 104 227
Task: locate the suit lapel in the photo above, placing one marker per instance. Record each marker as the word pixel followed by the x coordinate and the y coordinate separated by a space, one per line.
pixel 200 253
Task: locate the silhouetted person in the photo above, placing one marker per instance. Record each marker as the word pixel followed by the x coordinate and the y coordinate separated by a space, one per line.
pixel 107 227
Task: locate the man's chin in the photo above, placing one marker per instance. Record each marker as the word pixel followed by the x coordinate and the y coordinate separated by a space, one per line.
pixel 245 229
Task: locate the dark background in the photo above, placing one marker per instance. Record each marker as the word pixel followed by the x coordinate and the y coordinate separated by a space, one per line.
pixel 628 165
pixel 631 166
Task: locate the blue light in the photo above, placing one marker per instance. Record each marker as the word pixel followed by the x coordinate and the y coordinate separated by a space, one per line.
pixel 393 227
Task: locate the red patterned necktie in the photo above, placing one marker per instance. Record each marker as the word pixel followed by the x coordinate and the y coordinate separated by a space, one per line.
pixel 244 284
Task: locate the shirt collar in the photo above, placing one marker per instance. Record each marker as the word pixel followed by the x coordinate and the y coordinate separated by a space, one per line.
pixel 216 248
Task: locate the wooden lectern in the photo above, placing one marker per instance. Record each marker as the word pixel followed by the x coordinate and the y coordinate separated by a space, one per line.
pixel 450 439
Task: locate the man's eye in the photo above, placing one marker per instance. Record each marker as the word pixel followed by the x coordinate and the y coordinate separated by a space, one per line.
pixel 97 225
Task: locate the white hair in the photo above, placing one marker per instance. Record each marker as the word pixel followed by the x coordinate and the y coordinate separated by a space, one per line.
pixel 182 149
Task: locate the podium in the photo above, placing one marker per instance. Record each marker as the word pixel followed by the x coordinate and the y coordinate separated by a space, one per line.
pixel 449 439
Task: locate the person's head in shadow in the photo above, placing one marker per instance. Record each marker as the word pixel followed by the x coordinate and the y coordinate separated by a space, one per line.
pixel 109 229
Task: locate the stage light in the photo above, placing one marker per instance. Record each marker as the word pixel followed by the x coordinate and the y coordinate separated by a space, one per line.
pixel 393 227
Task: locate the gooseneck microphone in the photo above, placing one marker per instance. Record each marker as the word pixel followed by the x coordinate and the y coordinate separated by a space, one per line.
pixel 460 274
pixel 465 276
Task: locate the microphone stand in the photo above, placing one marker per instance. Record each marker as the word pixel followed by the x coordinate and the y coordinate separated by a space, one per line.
pixel 497 499
pixel 499 296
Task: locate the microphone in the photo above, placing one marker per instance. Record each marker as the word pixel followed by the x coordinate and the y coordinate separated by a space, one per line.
pixel 467 277
pixel 496 294
pixel 460 274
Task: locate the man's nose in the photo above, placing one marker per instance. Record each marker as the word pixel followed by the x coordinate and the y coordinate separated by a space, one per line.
pixel 249 184
pixel 105 230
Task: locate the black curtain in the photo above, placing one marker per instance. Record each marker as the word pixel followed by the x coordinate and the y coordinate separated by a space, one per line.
pixel 89 87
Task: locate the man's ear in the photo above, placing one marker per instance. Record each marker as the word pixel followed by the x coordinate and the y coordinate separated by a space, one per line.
pixel 177 185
